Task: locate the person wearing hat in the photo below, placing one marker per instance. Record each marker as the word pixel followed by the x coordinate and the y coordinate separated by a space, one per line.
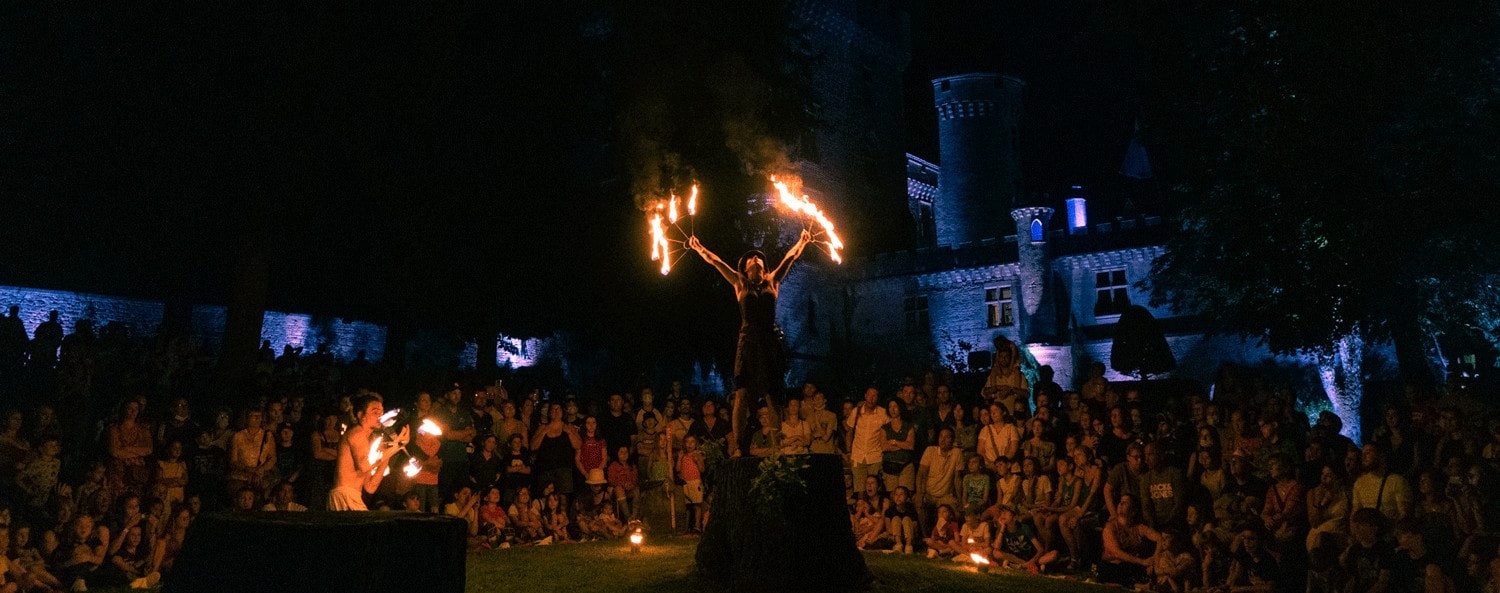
pixel 760 355
pixel 587 506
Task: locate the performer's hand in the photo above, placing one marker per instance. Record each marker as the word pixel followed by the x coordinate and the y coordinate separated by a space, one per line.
pixel 694 244
pixel 806 237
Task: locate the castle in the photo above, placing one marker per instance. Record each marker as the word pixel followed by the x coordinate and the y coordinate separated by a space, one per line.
pixel 990 262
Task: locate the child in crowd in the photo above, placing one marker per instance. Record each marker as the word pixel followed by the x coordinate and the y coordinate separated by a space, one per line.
pixel 976 485
pixel 624 482
pixel 171 475
pixel 868 524
pixel 526 517
pixel 973 537
pixel 944 537
pixel 1171 566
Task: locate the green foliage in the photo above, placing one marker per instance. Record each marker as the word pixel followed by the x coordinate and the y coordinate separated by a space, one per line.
pixel 780 475
pixel 1140 348
pixel 714 455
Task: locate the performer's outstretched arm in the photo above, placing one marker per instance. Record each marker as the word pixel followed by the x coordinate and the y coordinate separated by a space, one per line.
pixel 729 274
pixel 791 256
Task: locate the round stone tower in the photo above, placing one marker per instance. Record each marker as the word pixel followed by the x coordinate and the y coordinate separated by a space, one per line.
pixel 1038 318
pixel 979 172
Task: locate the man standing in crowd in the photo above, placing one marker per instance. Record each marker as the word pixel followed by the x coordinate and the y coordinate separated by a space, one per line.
pixel 866 436
pixel 938 482
pixel 1165 491
pixel 356 474
pixel 616 426
pixel 1125 478
pixel 458 433
pixel 1379 488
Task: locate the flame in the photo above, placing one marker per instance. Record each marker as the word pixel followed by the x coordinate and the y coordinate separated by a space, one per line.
pixel 389 418
pixel 693 201
pixel 805 207
pixel 412 468
pixel 672 209
pixel 430 427
pixel 979 558
pixel 660 250
pixel 636 538
pixel 374 455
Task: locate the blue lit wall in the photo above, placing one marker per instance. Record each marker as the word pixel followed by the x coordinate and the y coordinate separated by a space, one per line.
pixel 144 317
pixel 344 338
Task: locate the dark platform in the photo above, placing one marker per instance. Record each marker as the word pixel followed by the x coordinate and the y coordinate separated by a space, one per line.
pixel 807 544
pixel 324 552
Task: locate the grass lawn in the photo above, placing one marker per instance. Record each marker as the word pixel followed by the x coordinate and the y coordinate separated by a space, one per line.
pixel 666 566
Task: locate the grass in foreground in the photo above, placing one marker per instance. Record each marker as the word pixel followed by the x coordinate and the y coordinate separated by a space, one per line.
pixel 665 565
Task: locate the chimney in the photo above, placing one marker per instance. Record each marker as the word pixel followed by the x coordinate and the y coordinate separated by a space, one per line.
pixel 1078 214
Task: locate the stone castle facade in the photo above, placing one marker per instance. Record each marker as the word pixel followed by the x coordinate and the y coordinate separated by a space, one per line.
pixel 989 262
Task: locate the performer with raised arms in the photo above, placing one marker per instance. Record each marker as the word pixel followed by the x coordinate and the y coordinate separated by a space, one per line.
pixel 760 357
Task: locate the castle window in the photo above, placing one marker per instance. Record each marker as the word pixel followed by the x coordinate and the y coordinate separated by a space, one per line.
pixel 1038 234
pixel 917 321
pixel 1000 306
pixel 1113 292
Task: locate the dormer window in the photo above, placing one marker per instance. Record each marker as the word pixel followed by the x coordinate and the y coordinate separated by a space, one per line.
pixel 1038 234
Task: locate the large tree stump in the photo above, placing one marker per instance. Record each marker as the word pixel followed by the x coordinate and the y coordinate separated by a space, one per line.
pixel 807 543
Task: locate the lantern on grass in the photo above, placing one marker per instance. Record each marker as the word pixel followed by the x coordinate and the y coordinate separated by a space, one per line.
pixel 636 531
pixel 981 564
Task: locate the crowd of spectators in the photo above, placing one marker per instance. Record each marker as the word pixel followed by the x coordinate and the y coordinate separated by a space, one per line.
pixel 1176 493
pixel 1239 493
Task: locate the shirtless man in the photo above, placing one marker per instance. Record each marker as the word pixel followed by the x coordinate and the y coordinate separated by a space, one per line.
pixel 356 475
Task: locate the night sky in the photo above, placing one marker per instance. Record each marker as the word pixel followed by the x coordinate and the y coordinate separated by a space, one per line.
pixel 453 167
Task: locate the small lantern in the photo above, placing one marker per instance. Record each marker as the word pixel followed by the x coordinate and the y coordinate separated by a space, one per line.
pixel 637 535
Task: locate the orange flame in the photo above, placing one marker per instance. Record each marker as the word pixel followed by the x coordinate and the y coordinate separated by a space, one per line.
pixel 978 558
pixel 374 455
pixel 430 427
pixel 804 206
pixel 412 468
pixel 672 210
pixel 693 202
pixel 660 250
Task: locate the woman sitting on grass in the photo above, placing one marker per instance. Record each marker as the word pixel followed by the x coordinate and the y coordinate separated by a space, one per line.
pixel 493 521
pixel 465 506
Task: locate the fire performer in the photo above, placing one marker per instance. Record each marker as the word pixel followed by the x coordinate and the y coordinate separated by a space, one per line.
pixel 760 356
pixel 361 466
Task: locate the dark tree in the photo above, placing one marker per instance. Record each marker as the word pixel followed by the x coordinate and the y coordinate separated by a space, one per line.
pixel 1327 158
pixel 1140 348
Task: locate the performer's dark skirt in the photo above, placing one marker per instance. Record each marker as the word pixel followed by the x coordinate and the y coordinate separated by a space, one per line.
pixel 760 362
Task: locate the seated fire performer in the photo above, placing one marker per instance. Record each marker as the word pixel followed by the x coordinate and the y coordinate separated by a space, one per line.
pixel 760 356
pixel 357 473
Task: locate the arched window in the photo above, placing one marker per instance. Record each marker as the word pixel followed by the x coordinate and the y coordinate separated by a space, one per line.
pixel 1037 233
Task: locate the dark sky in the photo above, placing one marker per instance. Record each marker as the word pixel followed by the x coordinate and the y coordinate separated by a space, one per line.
pixel 408 160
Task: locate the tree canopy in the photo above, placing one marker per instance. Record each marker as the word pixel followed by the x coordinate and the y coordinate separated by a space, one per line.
pixel 1333 163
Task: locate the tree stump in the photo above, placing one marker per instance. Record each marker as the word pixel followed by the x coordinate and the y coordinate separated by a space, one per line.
pixel 806 543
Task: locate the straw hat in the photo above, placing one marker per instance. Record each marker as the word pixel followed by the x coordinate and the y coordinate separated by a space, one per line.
pixel 595 477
